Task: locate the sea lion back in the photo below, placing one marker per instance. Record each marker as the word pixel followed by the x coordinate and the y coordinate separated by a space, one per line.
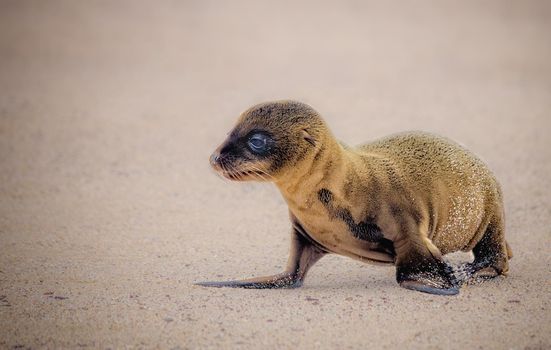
pixel 463 193
pixel 424 156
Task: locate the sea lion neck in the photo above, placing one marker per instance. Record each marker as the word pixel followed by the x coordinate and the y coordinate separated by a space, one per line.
pixel 304 178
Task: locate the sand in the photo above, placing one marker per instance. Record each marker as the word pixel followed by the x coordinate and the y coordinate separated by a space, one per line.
pixel 109 210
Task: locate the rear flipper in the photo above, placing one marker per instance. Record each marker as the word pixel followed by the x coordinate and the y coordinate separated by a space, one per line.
pixel 491 257
pixel 472 272
pixel 435 278
pixel 420 267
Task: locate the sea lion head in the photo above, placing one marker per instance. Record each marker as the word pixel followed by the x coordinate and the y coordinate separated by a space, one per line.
pixel 268 140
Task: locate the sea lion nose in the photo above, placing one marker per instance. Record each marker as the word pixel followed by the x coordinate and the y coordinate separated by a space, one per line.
pixel 214 158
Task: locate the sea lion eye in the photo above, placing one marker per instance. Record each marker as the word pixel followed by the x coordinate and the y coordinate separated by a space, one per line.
pixel 258 143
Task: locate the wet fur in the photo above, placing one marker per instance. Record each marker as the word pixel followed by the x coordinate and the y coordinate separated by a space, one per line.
pixel 406 199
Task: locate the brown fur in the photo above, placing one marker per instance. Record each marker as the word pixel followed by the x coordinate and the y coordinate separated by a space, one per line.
pixel 406 199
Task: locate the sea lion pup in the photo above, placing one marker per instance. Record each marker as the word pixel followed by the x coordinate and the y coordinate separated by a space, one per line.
pixel 406 199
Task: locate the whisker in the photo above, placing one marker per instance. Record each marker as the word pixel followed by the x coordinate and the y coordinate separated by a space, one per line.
pixel 259 177
pixel 253 171
pixel 265 172
pixel 233 173
pixel 258 173
pixel 223 167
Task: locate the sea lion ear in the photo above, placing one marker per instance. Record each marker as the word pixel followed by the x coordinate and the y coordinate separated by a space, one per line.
pixel 308 137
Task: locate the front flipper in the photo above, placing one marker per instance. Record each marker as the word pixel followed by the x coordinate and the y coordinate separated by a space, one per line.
pixel 282 280
pixel 302 256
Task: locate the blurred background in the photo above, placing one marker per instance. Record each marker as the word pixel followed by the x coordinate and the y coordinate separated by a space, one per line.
pixel 109 211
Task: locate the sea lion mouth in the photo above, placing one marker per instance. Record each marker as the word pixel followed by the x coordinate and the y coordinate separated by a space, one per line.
pixel 229 172
pixel 244 175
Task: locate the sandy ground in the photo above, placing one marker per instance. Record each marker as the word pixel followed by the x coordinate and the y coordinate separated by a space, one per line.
pixel 109 211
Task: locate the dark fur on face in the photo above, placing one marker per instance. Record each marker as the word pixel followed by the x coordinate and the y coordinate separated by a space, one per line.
pixel 285 133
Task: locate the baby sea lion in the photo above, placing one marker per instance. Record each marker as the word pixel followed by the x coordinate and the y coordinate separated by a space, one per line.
pixel 406 199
